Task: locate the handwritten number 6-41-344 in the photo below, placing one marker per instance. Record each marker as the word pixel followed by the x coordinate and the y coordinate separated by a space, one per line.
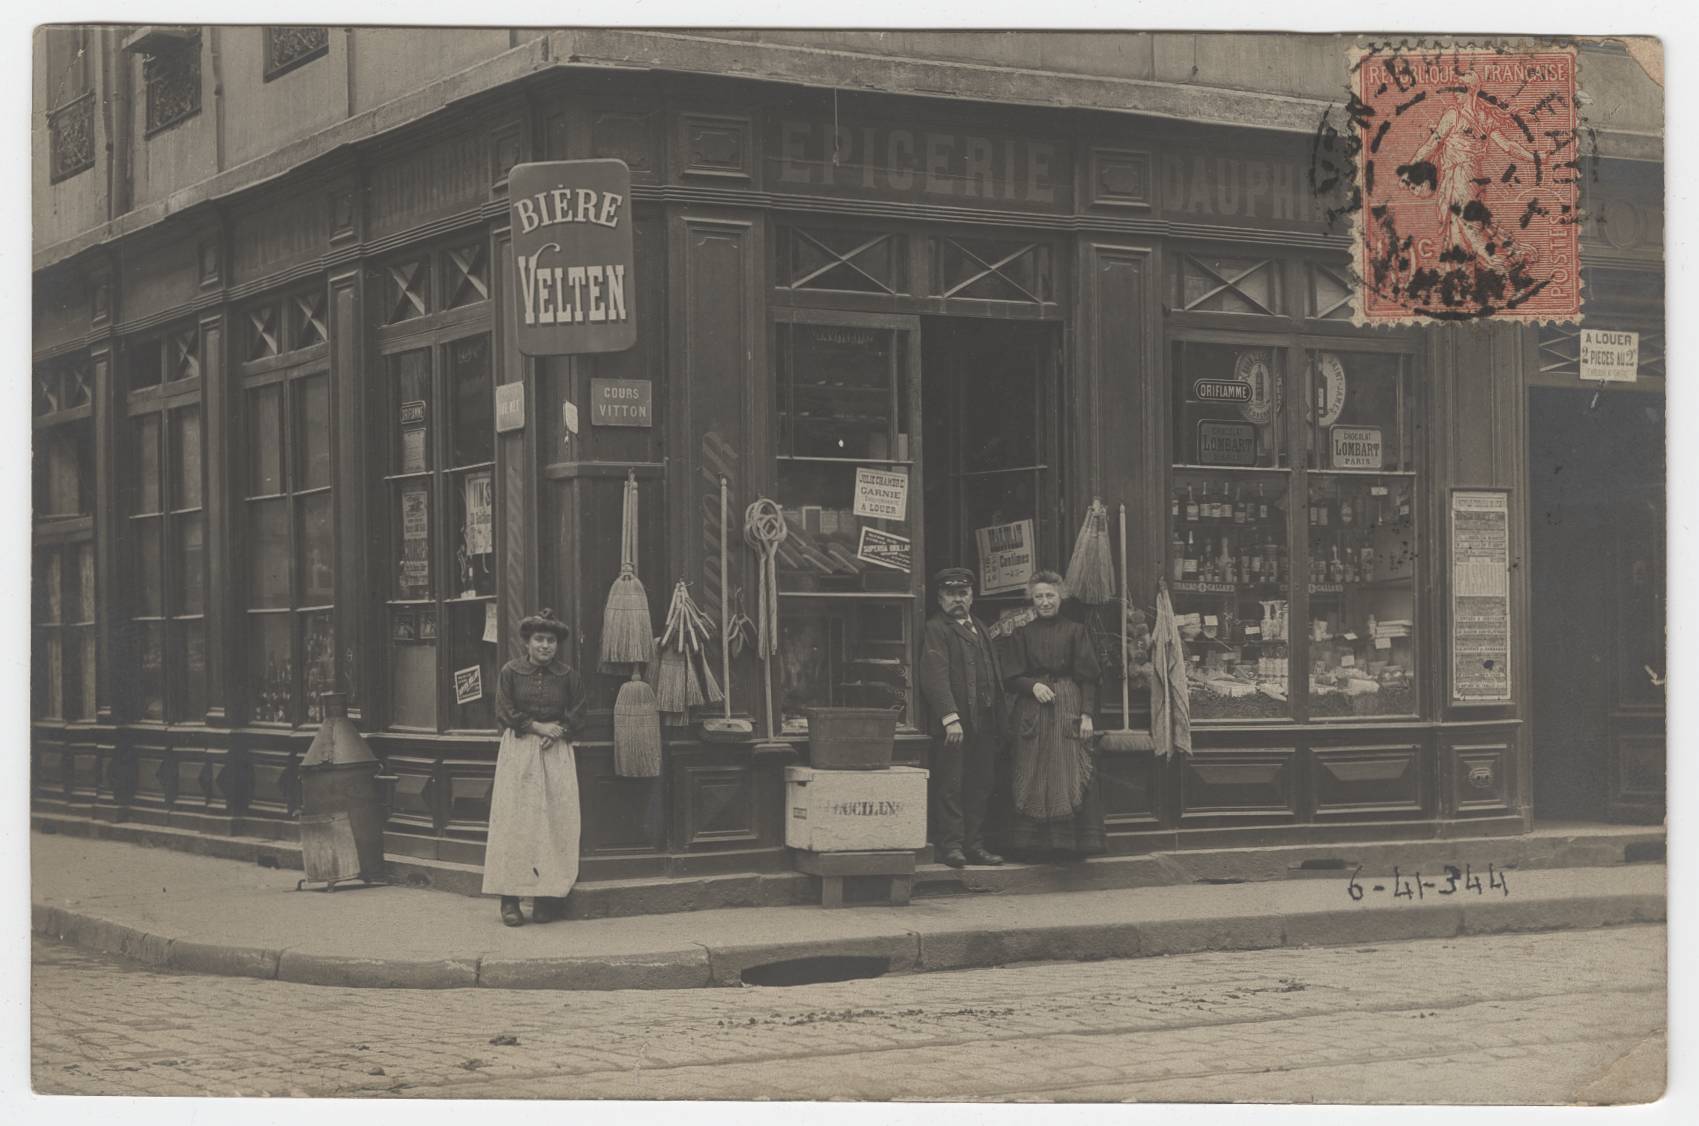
pixel 1415 886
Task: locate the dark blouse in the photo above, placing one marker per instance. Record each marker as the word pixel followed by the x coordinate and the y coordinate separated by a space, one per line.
pixel 1052 649
pixel 527 694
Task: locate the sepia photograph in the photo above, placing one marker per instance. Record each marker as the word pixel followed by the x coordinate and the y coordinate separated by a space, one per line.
pixel 723 562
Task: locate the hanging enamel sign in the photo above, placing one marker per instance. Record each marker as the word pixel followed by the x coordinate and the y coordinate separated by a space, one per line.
pixel 574 289
pixel 1330 387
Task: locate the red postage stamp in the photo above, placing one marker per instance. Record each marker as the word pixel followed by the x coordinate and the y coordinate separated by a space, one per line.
pixel 1469 177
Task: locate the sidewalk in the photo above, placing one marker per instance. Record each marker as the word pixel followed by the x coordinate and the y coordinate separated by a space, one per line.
pixel 207 915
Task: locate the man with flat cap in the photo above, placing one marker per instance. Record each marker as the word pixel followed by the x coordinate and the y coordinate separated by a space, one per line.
pixel 963 690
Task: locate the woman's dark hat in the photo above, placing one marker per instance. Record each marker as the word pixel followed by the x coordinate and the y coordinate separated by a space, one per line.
pixel 544 620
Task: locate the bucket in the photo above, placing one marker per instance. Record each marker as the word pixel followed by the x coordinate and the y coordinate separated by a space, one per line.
pixel 851 738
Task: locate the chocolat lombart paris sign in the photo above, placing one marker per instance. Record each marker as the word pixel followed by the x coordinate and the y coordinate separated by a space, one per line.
pixel 572 254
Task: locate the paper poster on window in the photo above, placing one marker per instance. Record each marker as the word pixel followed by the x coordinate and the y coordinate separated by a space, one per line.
pixel 490 622
pixel 468 684
pixel 413 450
pixel 480 514
pixel 885 549
pixel 415 542
pixel 1480 597
pixel 1005 556
pixel 1609 357
pixel 881 494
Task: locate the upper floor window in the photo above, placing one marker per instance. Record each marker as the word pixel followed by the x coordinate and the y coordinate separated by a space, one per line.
pixel 172 75
pixel 289 47
pixel 70 101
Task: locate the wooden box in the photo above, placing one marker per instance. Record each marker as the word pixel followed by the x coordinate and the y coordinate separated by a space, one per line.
pixel 855 810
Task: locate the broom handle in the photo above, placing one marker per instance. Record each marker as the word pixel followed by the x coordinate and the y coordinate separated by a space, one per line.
pixel 1126 671
pixel 725 634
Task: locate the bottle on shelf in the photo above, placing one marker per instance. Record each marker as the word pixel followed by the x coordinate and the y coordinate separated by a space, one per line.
pixel 1189 569
pixel 1262 503
pixel 1174 508
pixel 1191 506
pixel 1239 504
pixel 1346 511
pixel 1177 556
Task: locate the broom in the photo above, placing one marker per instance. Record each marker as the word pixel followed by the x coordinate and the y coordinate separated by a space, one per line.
pixel 628 639
pixel 1091 571
pixel 628 635
pixel 724 727
pixel 1126 739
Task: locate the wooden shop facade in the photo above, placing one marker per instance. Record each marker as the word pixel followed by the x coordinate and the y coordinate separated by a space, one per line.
pixel 267 466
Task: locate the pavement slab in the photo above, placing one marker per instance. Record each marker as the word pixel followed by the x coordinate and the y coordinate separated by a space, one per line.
pixel 218 916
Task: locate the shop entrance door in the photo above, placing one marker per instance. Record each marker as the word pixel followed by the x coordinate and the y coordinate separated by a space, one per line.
pixel 1596 477
pixel 989 407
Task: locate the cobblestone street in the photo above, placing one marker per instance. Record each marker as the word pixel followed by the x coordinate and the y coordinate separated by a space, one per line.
pixel 1576 1016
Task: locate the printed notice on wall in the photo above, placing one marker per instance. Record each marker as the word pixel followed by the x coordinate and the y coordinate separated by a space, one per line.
pixel 1480 597
pixel 1005 556
pixel 415 542
pixel 881 494
pixel 468 684
pixel 885 549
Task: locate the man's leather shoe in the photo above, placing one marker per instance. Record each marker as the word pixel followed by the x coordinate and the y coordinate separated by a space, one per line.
pixel 954 858
pixel 982 857
pixel 510 911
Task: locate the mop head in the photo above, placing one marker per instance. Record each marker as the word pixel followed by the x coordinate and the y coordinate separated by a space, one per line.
pixel 671 689
pixel 637 732
pixel 1091 571
pixel 628 634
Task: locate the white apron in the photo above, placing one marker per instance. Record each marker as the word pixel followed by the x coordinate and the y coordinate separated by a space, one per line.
pixel 534 817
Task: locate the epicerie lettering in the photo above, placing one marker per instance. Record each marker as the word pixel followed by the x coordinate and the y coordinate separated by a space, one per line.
pixel 570 294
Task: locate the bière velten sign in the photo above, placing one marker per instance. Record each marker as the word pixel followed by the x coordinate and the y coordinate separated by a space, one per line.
pixel 572 255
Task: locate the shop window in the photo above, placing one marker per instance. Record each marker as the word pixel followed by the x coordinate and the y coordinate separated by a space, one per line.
pixel 466 271
pixel 843 260
pixel 1330 292
pixel 167 541
pixel 409 288
pixel 1214 284
pixel 287 324
pixel 1294 577
pixel 62 589
pixel 847 488
pixel 290 536
pixel 440 467
pixel 991 270
pixel 1362 535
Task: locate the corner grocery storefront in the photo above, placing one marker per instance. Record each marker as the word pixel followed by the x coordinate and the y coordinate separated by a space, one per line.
pixel 268 465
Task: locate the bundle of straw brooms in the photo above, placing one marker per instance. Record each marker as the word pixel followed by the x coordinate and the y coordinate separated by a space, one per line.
pixel 684 680
pixel 628 645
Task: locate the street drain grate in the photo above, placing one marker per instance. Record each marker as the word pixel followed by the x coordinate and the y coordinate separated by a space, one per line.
pixel 817 970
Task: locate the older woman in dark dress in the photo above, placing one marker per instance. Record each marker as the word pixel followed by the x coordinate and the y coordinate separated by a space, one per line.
pixel 534 816
pixel 1050 672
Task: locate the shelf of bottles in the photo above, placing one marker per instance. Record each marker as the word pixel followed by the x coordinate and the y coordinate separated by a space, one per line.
pixel 1362 586
pixel 1230 576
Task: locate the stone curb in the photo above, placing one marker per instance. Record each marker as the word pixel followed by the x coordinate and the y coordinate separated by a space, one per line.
pixel 907 951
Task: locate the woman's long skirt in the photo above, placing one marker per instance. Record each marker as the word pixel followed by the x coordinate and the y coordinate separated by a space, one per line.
pixel 1058 808
pixel 534 819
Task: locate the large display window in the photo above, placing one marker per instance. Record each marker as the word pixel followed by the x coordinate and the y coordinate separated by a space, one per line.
pixel 1291 529
pixel 848 486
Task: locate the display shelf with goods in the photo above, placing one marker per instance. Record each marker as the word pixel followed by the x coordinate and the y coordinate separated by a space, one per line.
pixel 1231 584
pixel 846 483
pixel 1362 563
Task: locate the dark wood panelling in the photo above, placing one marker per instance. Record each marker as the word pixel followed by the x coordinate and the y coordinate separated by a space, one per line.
pixel 1118 178
pixel 718 146
pixel 162 272
pixel 224 468
pixel 290 229
pixel 428 182
pixel 633 136
pixel 348 442
pixel 621 815
pixel 1357 780
pixel 1238 783
pixel 717 805
pixel 1480 776
pixel 105 534
pixel 1132 788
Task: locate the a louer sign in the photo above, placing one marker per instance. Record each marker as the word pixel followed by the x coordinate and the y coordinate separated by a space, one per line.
pixel 574 288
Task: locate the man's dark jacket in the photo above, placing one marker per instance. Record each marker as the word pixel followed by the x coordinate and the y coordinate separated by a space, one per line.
pixel 947 677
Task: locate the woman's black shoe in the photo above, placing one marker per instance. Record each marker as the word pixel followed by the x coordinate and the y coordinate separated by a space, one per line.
pixel 510 913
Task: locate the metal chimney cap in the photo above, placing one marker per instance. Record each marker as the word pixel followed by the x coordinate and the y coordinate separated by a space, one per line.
pixel 338 742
